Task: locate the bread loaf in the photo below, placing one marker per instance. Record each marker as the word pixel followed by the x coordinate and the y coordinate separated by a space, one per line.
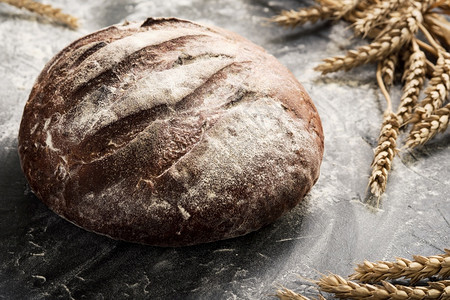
pixel 169 133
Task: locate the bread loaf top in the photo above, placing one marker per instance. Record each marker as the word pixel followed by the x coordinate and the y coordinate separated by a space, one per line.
pixel 169 133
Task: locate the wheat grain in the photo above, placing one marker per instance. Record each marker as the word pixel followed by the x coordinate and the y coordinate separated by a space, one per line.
pixel 45 10
pixel 429 126
pixel 346 289
pixel 294 18
pixel 401 31
pixel 421 267
pixel 414 77
pixel 374 15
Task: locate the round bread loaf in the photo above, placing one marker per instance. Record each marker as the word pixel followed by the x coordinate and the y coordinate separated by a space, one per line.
pixel 169 133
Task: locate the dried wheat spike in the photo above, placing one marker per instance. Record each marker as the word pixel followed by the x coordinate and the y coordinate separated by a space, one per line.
pixel 374 15
pixel 45 10
pixel 346 289
pixel 287 294
pixel 428 127
pixel 340 8
pixel 294 18
pixel 400 32
pixel 414 77
pixel 439 27
pixel 421 267
pixel 328 9
pixel 437 90
pixel 384 154
pixel 388 68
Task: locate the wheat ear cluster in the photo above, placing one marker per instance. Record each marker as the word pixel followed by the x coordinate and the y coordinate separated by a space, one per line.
pixel 389 42
pixel 421 28
pixel 371 280
pixel 45 10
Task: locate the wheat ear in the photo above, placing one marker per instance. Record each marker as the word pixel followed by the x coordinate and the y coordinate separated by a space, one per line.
pixel 388 66
pixel 346 289
pixel 439 85
pixel 401 31
pixel 374 15
pixel 414 77
pixel 287 294
pixel 387 142
pixel 420 268
pixel 294 18
pixel 428 127
pixel 328 9
pixel 438 26
pixel 340 8
pixel 45 10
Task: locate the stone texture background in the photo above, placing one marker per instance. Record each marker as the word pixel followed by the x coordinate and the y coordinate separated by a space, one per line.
pixel 45 257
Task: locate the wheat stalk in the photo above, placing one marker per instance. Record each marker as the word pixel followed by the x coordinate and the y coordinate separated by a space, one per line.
pixel 387 142
pixel 420 268
pixel 346 289
pixel 401 30
pixel 45 10
pixel 292 18
pixel 428 127
pixel 414 77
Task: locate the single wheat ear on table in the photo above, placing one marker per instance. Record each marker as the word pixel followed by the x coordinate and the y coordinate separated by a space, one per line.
pixel 45 10
pixel 394 28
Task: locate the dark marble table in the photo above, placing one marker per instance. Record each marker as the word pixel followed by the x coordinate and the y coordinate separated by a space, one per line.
pixel 45 257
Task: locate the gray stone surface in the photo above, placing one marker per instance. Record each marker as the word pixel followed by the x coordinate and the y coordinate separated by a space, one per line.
pixel 45 257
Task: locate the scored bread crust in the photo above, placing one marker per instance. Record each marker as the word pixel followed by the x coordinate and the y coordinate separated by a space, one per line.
pixel 169 133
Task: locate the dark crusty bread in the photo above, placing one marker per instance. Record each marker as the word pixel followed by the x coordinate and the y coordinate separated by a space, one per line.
pixel 169 133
